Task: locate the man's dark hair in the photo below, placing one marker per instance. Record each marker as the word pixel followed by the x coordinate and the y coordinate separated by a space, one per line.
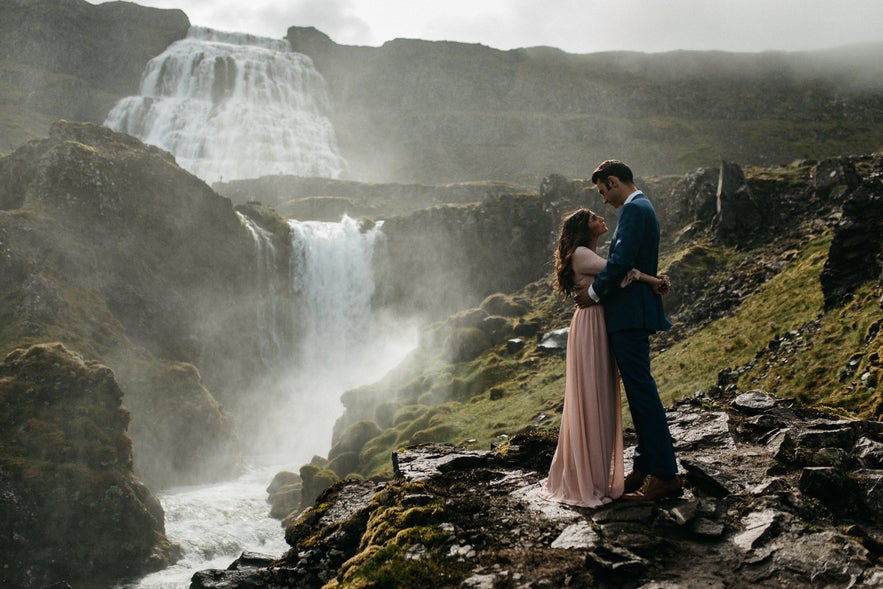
pixel 609 168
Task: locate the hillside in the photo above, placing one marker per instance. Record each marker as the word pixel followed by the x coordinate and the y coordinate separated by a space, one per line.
pixel 421 111
pixel 414 111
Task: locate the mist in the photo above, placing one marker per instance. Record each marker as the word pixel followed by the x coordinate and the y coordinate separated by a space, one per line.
pixel 571 25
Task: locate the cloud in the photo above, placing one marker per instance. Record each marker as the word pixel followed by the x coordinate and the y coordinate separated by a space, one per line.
pixel 578 26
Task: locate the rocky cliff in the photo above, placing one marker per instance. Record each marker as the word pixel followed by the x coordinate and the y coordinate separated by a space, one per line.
pixel 70 506
pixel 110 248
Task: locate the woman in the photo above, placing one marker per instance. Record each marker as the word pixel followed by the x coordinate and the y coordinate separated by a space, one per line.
pixel 587 469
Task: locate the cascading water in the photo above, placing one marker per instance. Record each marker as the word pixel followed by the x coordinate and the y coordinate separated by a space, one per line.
pixel 272 303
pixel 232 106
pixel 342 342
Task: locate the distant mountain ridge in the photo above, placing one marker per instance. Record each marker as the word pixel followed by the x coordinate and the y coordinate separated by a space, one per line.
pixel 438 112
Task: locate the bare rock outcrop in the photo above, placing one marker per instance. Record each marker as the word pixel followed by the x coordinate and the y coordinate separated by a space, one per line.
pixel 856 253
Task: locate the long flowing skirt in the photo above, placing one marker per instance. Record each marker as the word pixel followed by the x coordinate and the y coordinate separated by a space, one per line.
pixel 587 469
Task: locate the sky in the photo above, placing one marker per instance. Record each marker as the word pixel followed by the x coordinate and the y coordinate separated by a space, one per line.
pixel 575 26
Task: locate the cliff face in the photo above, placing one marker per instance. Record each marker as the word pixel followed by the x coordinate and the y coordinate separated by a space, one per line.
pixel 440 112
pixel 68 59
pixel 70 506
pixel 112 249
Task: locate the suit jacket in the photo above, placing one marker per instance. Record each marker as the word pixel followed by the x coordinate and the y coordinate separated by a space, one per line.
pixel 635 244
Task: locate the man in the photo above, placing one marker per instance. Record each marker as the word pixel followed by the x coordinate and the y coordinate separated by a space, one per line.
pixel 632 314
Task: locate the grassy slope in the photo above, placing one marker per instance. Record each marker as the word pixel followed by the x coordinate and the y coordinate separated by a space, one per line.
pixel 785 303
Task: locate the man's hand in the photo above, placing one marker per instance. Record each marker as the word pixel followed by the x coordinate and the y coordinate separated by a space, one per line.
pixel 663 287
pixel 581 296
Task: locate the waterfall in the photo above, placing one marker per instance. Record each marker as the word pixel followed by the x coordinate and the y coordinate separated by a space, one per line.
pixel 321 333
pixel 323 293
pixel 333 278
pixel 271 303
pixel 232 106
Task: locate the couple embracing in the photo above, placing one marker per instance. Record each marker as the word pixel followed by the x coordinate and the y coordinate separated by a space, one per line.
pixel 619 305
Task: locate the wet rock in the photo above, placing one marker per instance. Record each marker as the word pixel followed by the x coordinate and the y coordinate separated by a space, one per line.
pixel 554 341
pixel 251 560
pixel 616 563
pixel 696 430
pixel 711 478
pixel 515 345
pixel 756 526
pixel 434 458
pixel 868 453
pixel 754 402
pixel 708 528
pixel 579 535
pixel 833 488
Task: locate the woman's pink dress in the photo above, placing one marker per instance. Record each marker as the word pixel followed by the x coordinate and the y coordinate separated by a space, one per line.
pixel 587 469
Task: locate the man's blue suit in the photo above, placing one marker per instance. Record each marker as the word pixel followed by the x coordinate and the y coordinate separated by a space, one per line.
pixel 632 314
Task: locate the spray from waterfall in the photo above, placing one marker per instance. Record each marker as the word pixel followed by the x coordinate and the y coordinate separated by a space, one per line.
pixel 230 106
pixel 322 335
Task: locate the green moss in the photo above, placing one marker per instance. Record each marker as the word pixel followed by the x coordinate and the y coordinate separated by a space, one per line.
pixel 841 368
pixel 787 302
pixel 437 433
pixel 391 531
pixel 465 343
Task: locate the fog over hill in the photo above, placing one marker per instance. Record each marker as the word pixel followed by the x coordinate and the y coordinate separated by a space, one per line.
pixel 437 112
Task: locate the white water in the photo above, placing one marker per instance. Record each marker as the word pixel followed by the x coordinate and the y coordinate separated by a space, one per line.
pixel 270 305
pixel 343 341
pixel 231 106
pixel 344 344
pixel 214 524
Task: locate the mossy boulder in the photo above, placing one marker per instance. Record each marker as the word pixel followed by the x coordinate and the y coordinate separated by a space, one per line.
pixel 465 344
pixel 284 494
pixel 71 507
pixel 503 305
pixel 315 479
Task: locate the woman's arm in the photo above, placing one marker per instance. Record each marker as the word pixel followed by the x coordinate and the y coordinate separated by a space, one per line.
pixel 661 284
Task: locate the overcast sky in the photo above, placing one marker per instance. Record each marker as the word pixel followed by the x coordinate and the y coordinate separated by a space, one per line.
pixel 576 26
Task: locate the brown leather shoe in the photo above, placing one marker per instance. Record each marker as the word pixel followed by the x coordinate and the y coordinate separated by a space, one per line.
pixel 656 488
pixel 634 481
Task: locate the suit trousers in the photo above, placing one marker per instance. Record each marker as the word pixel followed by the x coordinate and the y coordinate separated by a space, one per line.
pixel 655 452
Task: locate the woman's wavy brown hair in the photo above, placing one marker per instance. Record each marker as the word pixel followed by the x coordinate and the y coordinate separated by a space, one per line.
pixel 574 232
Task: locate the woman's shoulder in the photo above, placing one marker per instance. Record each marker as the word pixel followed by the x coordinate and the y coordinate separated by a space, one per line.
pixel 583 253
